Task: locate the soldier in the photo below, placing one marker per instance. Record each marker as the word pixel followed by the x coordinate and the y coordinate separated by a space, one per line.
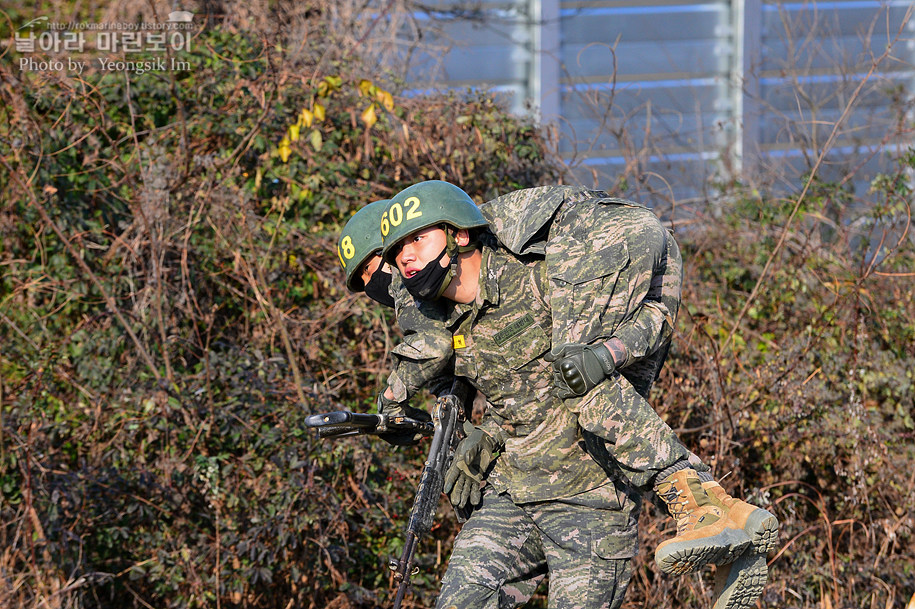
pixel 425 352
pixel 359 251
pixel 419 362
pixel 579 316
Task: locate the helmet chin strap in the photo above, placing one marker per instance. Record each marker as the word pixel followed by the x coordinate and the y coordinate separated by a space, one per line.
pixel 452 247
pixel 453 250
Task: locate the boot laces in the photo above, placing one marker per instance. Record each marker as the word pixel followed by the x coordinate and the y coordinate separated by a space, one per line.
pixel 679 509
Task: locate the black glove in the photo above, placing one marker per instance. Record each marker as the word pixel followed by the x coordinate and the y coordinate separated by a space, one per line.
pixel 401 409
pixel 577 369
pixel 471 460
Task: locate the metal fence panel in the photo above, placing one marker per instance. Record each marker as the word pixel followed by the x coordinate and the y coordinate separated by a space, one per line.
pixel 687 93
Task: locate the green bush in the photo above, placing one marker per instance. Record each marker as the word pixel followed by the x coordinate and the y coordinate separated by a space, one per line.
pixel 173 308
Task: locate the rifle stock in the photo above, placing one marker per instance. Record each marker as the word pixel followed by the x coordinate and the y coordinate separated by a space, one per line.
pixel 343 423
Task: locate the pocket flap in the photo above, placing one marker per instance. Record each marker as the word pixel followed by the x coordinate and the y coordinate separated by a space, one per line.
pixel 424 346
pixel 615 544
pixel 575 265
pixel 526 346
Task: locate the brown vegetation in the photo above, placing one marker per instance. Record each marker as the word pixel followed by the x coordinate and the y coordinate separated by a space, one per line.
pixel 171 307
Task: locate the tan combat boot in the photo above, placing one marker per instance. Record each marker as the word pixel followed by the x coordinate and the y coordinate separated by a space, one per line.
pixel 704 534
pixel 760 525
pixel 739 584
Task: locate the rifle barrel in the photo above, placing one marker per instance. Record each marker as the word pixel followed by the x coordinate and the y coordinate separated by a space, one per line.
pixel 356 420
pixel 342 423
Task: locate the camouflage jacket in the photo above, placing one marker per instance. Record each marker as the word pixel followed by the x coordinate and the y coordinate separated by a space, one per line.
pixel 590 240
pixel 585 237
pixel 425 352
pixel 499 344
pixel 612 271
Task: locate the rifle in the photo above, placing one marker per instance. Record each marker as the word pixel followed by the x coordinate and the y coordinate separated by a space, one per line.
pixel 342 423
pixel 446 432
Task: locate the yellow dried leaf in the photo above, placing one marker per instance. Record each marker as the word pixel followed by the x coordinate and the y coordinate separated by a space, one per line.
pixel 319 112
pixel 285 151
pixel 386 99
pixel 369 117
pixel 284 142
pixel 293 133
pixel 306 118
pixel 365 86
pixel 329 85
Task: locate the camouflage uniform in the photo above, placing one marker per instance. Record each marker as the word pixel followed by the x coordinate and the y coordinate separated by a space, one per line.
pixel 609 269
pixel 420 360
pixel 585 236
pixel 425 352
pixel 584 543
pixel 543 480
pixel 615 272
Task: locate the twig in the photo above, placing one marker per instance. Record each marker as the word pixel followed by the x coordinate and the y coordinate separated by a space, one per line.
pixel 156 254
pixel 797 205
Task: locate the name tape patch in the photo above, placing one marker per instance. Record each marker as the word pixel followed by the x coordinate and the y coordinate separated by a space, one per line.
pixel 513 329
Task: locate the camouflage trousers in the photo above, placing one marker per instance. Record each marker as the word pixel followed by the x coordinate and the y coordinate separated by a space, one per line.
pixel 505 550
pixel 639 443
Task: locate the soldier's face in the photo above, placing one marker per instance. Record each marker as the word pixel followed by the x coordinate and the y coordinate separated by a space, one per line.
pixel 419 249
pixel 368 269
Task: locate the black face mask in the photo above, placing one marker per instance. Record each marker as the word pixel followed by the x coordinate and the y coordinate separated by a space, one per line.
pixel 377 288
pixel 431 281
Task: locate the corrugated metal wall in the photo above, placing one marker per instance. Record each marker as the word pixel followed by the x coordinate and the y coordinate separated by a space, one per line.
pixel 644 92
pixel 843 66
pixel 678 95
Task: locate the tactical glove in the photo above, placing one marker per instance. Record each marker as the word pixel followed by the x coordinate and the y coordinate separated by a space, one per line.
pixel 401 409
pixel 462 489
pixel 577 369
pixel 471 460
pixel 391 407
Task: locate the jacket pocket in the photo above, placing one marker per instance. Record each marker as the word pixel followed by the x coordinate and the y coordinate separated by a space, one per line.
pixel 582 285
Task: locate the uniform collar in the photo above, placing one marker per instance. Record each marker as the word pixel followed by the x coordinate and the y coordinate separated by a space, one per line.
pixel 491 268
pixel 492 265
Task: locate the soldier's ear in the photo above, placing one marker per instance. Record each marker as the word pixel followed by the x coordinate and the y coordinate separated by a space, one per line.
pixel 462 237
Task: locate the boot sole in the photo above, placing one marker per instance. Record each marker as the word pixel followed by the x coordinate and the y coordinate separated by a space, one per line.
pixel 678 558
pixel 741 583
pixel 762 529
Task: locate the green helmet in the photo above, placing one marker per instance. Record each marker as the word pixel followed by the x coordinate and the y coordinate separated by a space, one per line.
pixel 359 241
pixel 423 205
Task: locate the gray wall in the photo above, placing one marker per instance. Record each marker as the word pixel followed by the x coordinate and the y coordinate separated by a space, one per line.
pixel 678 96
